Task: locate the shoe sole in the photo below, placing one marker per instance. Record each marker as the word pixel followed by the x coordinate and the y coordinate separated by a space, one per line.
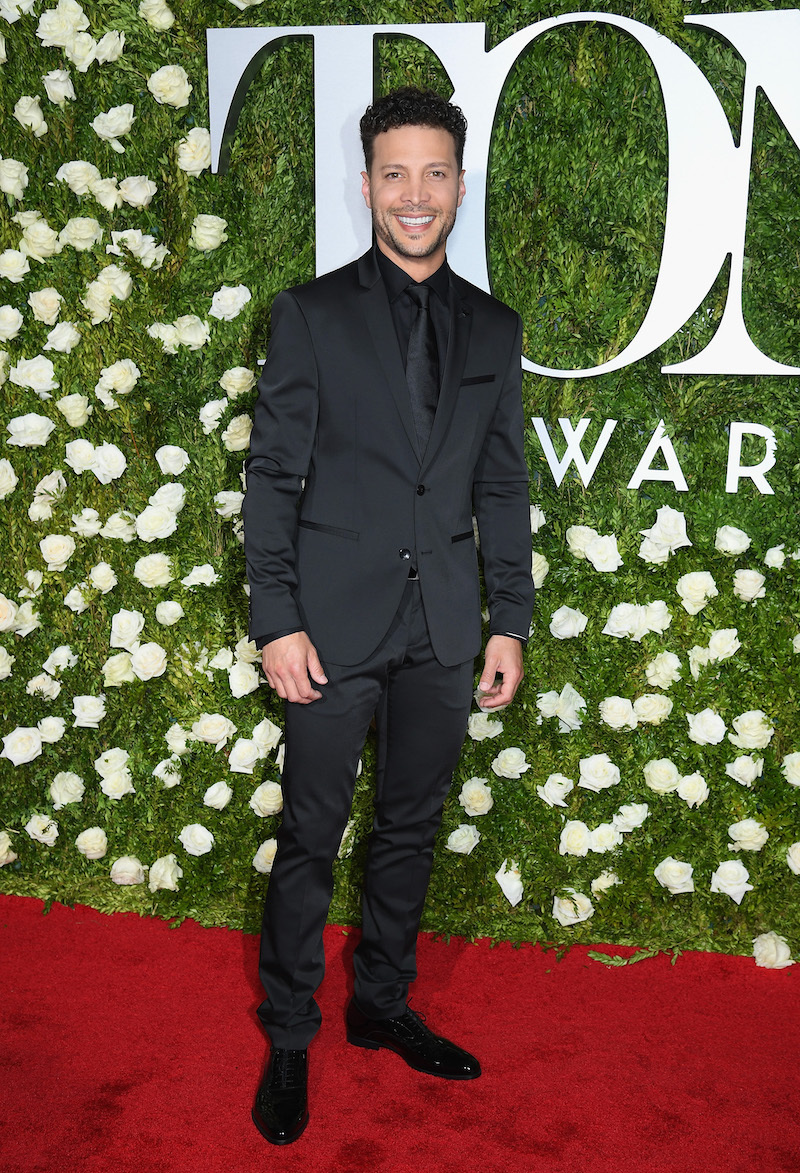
pixel 279 1140
pixel 369 1045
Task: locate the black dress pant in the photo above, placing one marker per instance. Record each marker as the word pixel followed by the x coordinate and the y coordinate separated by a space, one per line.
pixel 421 711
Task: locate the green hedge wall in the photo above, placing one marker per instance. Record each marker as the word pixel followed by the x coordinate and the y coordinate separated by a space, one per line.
pixel 576 207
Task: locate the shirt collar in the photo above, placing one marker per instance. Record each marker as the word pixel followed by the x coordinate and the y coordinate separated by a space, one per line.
pixel 397 280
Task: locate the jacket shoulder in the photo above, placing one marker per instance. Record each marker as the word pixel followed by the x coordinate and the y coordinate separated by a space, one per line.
pixel 326 286
pixel 484 302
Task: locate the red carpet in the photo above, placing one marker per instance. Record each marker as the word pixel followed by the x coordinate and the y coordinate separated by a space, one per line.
pixel 131 1047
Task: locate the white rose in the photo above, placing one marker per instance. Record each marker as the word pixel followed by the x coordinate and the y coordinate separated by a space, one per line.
pixel 178 739
pixel 117 784
pixel 29 431
pixel 508 877
pixel 693 789
pixel 793 858
pixel 236 436
pixel 204 575
pixel 208 232
pixel 6 663
pixel 228 503
pixel 39 241
pixel 10 322
pixel 43 685
pixel 575 838
pixel 46 305
pixel 661 775
pixel 745 769
pixel 75 600
pixel 126 627
pixel 196 839
pixel 771 951
pixel 229 301
pixel 78 175
pixel 8 478
pixel 630 816
pixel 92 843
pixel 119 527
pixel 510 763
pixel 775 557
pixel 37 373
pixel 605 837
pixel 267 800
pixel 723 644
pixel 14 265
pixel 110 46
pixel 148 661
pixel 81 232
pixel 172 460
pixel 213 729
pixel 539 568
pixel 127 870
pixel 103 578
pixel 211 413
pixel 265 856
pixel 555 789
pixel 218 796
pixel 463 839
pixel 790 768
pixel 695 590
pixel 57 549
pixel 607 879
pixel 706 727
pixel 168 613
pixel 28 114
pixel 43 829
pixel 138 191
pixel 22 745
pixel 192 331
pixel 168 771
pixel 170 86
pixel 669 529
pixel 117 670
pixel 66 787
pixel 155 522
pixel 13 178
pixel 748 585
pixel 538 519
pixel 652 708
pixel 266 736
pixel 747 835
pixel 170 496
pixel 481 726
pixel 166 334
pixel 88 711
pixel 675 875
pixel 153 570
pixel 245 649
pixel 578 536
pixel 237 381
pixel 602 552
pixel 730 540
pixel 476 797
pixel 597 773
pixel 27 620
pixel 243 679
pixel 753 730
pixel 63 338
pixel 572 908
pixel 114 123
pixel 8 614
pixel 112 761
pixel 627 620
pixel 51 729
pixel 165 873
pixel 79 455
pixel 730 878
pixel 618 713
pixel 566 623
pixel 75 409
pixel 194 151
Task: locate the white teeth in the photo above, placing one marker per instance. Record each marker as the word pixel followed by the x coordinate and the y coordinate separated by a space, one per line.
pixel 415 221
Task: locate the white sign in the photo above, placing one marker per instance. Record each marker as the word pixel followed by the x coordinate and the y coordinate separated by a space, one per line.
pixel 708 174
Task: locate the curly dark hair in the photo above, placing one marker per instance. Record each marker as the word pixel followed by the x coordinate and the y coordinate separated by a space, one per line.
pixel 409 106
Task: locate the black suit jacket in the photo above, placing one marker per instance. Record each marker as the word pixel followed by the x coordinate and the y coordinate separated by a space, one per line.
pixel 339 501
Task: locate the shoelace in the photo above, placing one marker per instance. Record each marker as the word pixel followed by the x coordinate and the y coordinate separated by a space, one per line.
pixel 287 1069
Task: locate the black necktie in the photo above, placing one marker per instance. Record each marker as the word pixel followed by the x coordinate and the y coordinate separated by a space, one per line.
pixel 422 366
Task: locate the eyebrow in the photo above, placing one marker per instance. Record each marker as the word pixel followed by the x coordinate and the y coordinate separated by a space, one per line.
pixel 397 166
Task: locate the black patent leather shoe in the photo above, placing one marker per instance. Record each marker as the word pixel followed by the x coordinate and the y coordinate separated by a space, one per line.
pixel 409 1037
pixel 280 1112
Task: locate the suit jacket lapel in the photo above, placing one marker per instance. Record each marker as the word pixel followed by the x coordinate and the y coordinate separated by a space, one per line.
pixel 460 324
pixel 378 316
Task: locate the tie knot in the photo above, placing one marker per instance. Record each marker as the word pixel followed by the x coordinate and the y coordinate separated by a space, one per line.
pixel 420 295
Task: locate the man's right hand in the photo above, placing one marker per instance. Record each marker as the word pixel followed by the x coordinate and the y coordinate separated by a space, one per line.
pixel 290 664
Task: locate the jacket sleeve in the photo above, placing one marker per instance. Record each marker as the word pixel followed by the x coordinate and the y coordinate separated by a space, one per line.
pixel 502 507
pixel 281 447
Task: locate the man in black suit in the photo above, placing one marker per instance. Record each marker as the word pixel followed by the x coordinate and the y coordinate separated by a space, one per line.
pixel 389 411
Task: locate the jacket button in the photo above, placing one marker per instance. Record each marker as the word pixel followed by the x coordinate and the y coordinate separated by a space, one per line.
pixel 420 490
pixel 405 554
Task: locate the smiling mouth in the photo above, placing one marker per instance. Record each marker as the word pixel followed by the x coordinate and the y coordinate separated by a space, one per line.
pixel 416 221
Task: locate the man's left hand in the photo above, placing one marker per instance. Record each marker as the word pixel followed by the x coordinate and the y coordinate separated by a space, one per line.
pixel 503 660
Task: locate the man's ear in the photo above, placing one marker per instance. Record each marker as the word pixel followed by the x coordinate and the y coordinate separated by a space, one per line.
pixel 462 190
pixel 365 189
